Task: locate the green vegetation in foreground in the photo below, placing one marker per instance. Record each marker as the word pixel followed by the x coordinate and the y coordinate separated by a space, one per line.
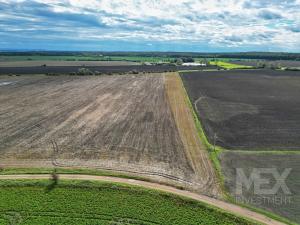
pixel 85 202
pixel 229 66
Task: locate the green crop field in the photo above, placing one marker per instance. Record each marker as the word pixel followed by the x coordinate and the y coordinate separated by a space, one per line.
pixel 84 202
pixel 229 66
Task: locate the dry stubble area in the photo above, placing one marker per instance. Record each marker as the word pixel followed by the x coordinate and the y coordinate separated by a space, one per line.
pixel 115 122
pixel 194 148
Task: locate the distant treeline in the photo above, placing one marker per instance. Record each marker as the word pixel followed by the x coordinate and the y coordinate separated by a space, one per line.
pixel 237 55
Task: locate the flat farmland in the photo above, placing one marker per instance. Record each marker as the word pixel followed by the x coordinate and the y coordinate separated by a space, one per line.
pixel 282 63
pixel 34 63
pixel 253 109
pixel 113 118
pixel 105 68
pixel 122 123
pixel 108 69
pixel 281 203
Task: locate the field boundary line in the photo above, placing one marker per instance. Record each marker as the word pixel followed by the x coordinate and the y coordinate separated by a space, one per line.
pixel 271 152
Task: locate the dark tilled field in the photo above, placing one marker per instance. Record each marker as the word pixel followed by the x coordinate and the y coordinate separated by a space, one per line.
pixel 282 63
pixel 251 109
pixel 119 122
pixel 102 69
pixel 286 205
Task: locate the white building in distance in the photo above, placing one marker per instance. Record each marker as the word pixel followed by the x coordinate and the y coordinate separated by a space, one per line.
pixel 194 64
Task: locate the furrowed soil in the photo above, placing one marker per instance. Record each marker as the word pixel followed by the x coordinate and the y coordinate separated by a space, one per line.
pixel 251 109
pixel 195 150
pixel 281 203
pixel 122 123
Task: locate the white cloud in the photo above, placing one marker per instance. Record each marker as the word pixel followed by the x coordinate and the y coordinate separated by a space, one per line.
pixel 221 22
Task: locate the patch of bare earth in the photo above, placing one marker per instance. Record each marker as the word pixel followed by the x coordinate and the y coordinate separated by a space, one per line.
pixel 194 148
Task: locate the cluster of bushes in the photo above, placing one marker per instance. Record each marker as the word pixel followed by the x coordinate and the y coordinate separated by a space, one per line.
pixel 292 68
pixel 52 74
pixel 88 72
pixel 85 72
pixel 179 61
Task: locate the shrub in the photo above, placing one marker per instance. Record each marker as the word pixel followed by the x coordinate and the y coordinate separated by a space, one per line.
pixel 135 72
pixel 97 73
pixel 84 71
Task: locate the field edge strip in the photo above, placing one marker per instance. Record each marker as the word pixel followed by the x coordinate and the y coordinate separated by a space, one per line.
pixel 213 151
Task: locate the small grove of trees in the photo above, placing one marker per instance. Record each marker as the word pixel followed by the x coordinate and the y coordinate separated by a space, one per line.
pixel 85 71
pixel 260 65
pixel 181 60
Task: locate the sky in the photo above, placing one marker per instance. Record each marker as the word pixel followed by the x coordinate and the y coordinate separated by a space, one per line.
pixel 150 25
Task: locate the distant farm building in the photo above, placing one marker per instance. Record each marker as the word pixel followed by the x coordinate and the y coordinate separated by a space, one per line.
pixel 194 64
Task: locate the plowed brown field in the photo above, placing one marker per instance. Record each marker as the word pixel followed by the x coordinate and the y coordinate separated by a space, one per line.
pixel 122 123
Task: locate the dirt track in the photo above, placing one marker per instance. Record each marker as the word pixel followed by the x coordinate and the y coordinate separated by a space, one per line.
pixel 237 210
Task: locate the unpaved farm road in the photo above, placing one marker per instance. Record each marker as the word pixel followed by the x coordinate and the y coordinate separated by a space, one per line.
pixel 237 210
